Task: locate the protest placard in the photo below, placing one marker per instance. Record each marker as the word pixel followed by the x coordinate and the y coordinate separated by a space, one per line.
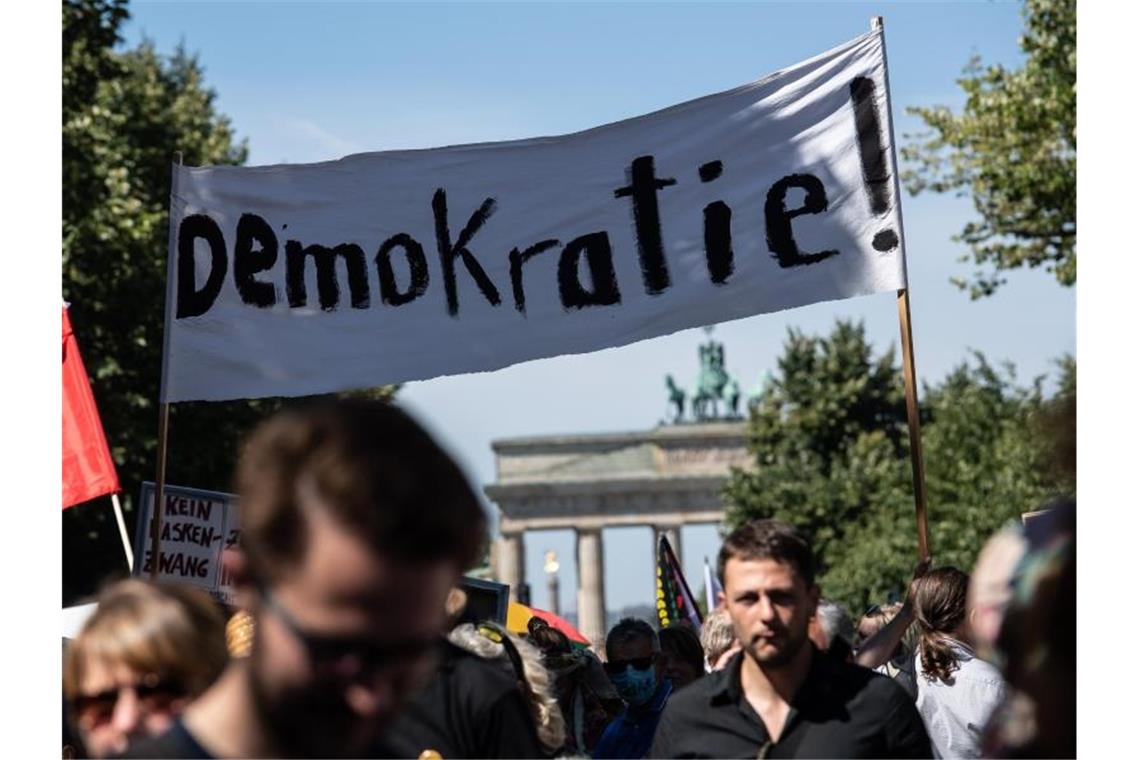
pixel 196 526
pixel 403 265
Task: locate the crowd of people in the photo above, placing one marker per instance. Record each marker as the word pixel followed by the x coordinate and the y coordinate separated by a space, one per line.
pixel 349 637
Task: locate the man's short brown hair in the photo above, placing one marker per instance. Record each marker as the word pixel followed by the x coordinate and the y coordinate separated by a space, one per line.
pixel 768 539
pixel 372 468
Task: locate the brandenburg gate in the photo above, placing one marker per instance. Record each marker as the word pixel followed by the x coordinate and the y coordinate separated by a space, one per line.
pixel 666 478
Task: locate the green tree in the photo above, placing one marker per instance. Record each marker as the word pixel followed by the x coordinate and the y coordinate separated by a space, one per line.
pixel 832 458
pixel 124 116
pixel 1014 150
pixel 827 432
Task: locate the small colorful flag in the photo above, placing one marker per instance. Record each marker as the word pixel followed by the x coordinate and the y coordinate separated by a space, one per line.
pixel 712 587
pixel 674 599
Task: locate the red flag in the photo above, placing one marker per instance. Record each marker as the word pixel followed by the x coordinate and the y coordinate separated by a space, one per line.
pixel 87 467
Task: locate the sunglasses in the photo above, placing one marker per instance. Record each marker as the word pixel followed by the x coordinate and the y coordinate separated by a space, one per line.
pixel 153 694
pixel 346 655
pixel 638 663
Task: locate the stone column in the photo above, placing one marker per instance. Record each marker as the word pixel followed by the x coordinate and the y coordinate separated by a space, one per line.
pixel 591 587
pixel 512 562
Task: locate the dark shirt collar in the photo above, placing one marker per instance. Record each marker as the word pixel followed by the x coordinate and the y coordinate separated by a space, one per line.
pixel 728 687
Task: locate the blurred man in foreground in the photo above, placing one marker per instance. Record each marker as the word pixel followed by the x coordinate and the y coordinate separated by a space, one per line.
pixel 355 526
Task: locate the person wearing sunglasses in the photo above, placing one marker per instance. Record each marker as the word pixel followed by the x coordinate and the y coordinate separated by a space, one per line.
pixel 145 652
pixel 355 526
pixel 636 668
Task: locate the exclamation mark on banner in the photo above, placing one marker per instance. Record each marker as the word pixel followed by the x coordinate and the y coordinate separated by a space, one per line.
pixel 873 156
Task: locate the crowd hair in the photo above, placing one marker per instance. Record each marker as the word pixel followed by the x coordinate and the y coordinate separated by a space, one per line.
pixel 717 634
pixel 939 608
pixel 175 631
pixel 629 629
pixel 768 539
pixel 369 466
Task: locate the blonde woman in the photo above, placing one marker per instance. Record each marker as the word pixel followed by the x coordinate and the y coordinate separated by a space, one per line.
pixel 142 656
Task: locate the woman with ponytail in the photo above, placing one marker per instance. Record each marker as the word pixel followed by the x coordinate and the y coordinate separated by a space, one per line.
pixel 957 692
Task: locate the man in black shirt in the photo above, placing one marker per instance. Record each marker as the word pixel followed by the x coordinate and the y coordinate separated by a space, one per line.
pixel 780 697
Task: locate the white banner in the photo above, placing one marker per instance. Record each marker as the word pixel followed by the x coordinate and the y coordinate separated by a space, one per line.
pixel 405 265
pixel 196 527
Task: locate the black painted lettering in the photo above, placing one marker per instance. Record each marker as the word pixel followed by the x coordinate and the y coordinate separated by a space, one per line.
pixel 192 302
pixel 517 259
pixel 328 289
pixel 251 229
pixel 710 171
pixel 873 157
pixel 599 261
pixel 448 253
pixel 718 241
pixel 390 292
pixel 779 218
pixel 204 508
pixel 643 186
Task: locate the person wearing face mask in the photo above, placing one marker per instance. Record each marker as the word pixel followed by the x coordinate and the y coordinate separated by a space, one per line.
pixel 635 666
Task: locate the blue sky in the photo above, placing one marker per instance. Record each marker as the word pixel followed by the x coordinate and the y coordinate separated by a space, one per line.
pixel 308 82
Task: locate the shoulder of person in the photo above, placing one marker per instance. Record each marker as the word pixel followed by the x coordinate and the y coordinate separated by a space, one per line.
pixel 857 681
pixel 977 669
pixel 470 672
pixel 176 742
pixel 697 695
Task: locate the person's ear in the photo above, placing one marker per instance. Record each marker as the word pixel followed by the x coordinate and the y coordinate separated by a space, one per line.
pixel 721 599
pixel 235 566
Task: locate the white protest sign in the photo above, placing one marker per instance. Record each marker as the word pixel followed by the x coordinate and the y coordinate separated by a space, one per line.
pixel 403 265
pixel 196 527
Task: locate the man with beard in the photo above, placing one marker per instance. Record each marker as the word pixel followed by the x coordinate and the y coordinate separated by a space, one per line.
pixel 355 526
pixel 781 697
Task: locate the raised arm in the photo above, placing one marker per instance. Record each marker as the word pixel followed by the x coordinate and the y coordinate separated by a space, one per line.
pixel 878 649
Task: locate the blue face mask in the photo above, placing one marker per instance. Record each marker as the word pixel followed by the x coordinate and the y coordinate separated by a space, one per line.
pixel 636 687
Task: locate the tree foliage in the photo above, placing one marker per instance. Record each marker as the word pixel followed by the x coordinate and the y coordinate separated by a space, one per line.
pixel 832 457
pixel 124 116
pixel 1014 150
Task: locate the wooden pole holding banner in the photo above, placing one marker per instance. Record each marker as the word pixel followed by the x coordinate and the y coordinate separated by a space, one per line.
pixel 163 407
pixel 123 532
pixel 910 377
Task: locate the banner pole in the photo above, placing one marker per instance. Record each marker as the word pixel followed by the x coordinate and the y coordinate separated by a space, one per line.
pixel 123 532
pixel 163 407
pixel 910 376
